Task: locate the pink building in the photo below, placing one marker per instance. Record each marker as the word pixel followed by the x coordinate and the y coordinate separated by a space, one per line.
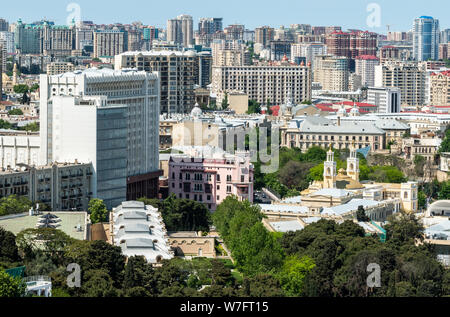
pixel 211 180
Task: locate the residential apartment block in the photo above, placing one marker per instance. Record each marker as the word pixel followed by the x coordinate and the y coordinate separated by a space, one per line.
pixel 264 83
pixel 440 89
pixel 409 77
pixel 177 75
pixel 332 72
pixel 210 178
pixel 109 43
pixel 61 186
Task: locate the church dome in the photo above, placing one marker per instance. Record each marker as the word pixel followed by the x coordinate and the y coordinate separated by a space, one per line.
pixel 342 112
pixel 196 112
pixel 354 111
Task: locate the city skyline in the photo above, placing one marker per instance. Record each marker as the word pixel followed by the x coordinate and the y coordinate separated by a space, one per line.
pixel 326 12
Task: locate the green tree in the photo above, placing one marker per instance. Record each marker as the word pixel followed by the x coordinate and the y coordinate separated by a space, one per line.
pixel 21 89
pixel 51 241
pixel 5 125
pixel 98 211
pixel 13 204
pixel 184 214
pixel 225 103
pixel 138 273
pixel 34 87
pixel 253 107
pixel 294 174
pixel 11 287
pixel 444 192
pixel 293 274
pixel 15 112
pixel 33 127
pixel 361 215
pixel 445 145
pixel 262 285
pixel 8 247
pixel 98 283
pixel 422 199
pixel 98 255
pixel 404 228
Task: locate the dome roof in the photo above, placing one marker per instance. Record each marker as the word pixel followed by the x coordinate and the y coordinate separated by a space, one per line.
pixel 342 112
pixel 196 111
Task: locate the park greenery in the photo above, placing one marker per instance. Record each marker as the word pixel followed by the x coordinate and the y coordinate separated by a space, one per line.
pixel 445 145
pixel 324 259
pixel 98 211
pixel 14 205
pixel 15 112
pixel 297 170
pixel 33 127
pixel 182 214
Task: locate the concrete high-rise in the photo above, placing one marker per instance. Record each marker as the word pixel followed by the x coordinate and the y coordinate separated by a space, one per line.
pixel 308 50
pixel 181 30
pixel 264 83
pixel 138 91
pixel 4 25
pixel 264 35
pixel 365 67
pixel 8 39
pixel 210 25
pixel 332 72
pixel 109 43
pixel 177 73
pixel 89 130
pixel 426 38
pixel 409 77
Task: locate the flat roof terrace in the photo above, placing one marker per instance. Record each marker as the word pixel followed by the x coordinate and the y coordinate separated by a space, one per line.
pixel 69 223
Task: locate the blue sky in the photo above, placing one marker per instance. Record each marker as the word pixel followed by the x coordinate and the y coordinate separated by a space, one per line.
pixel 348 13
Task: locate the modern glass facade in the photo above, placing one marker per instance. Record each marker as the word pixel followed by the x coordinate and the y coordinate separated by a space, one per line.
pixel 426 38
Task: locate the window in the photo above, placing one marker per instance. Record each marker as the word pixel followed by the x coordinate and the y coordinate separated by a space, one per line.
pixel 228 189
pixel 228 178
pixel 188 177
pixel 218 178
pixel 242 179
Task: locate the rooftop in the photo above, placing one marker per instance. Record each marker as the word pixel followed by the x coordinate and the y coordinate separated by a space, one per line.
pixel 287 226
pixel 69 223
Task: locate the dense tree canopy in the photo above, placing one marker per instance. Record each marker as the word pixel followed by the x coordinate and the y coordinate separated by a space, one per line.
pixel 13 204
pixel 182 214
pixel 11 287
pixel 98 211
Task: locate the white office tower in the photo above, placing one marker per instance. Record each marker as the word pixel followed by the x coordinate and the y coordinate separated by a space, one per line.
pixel 139 91
pixel 388 100
pixel 88 130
